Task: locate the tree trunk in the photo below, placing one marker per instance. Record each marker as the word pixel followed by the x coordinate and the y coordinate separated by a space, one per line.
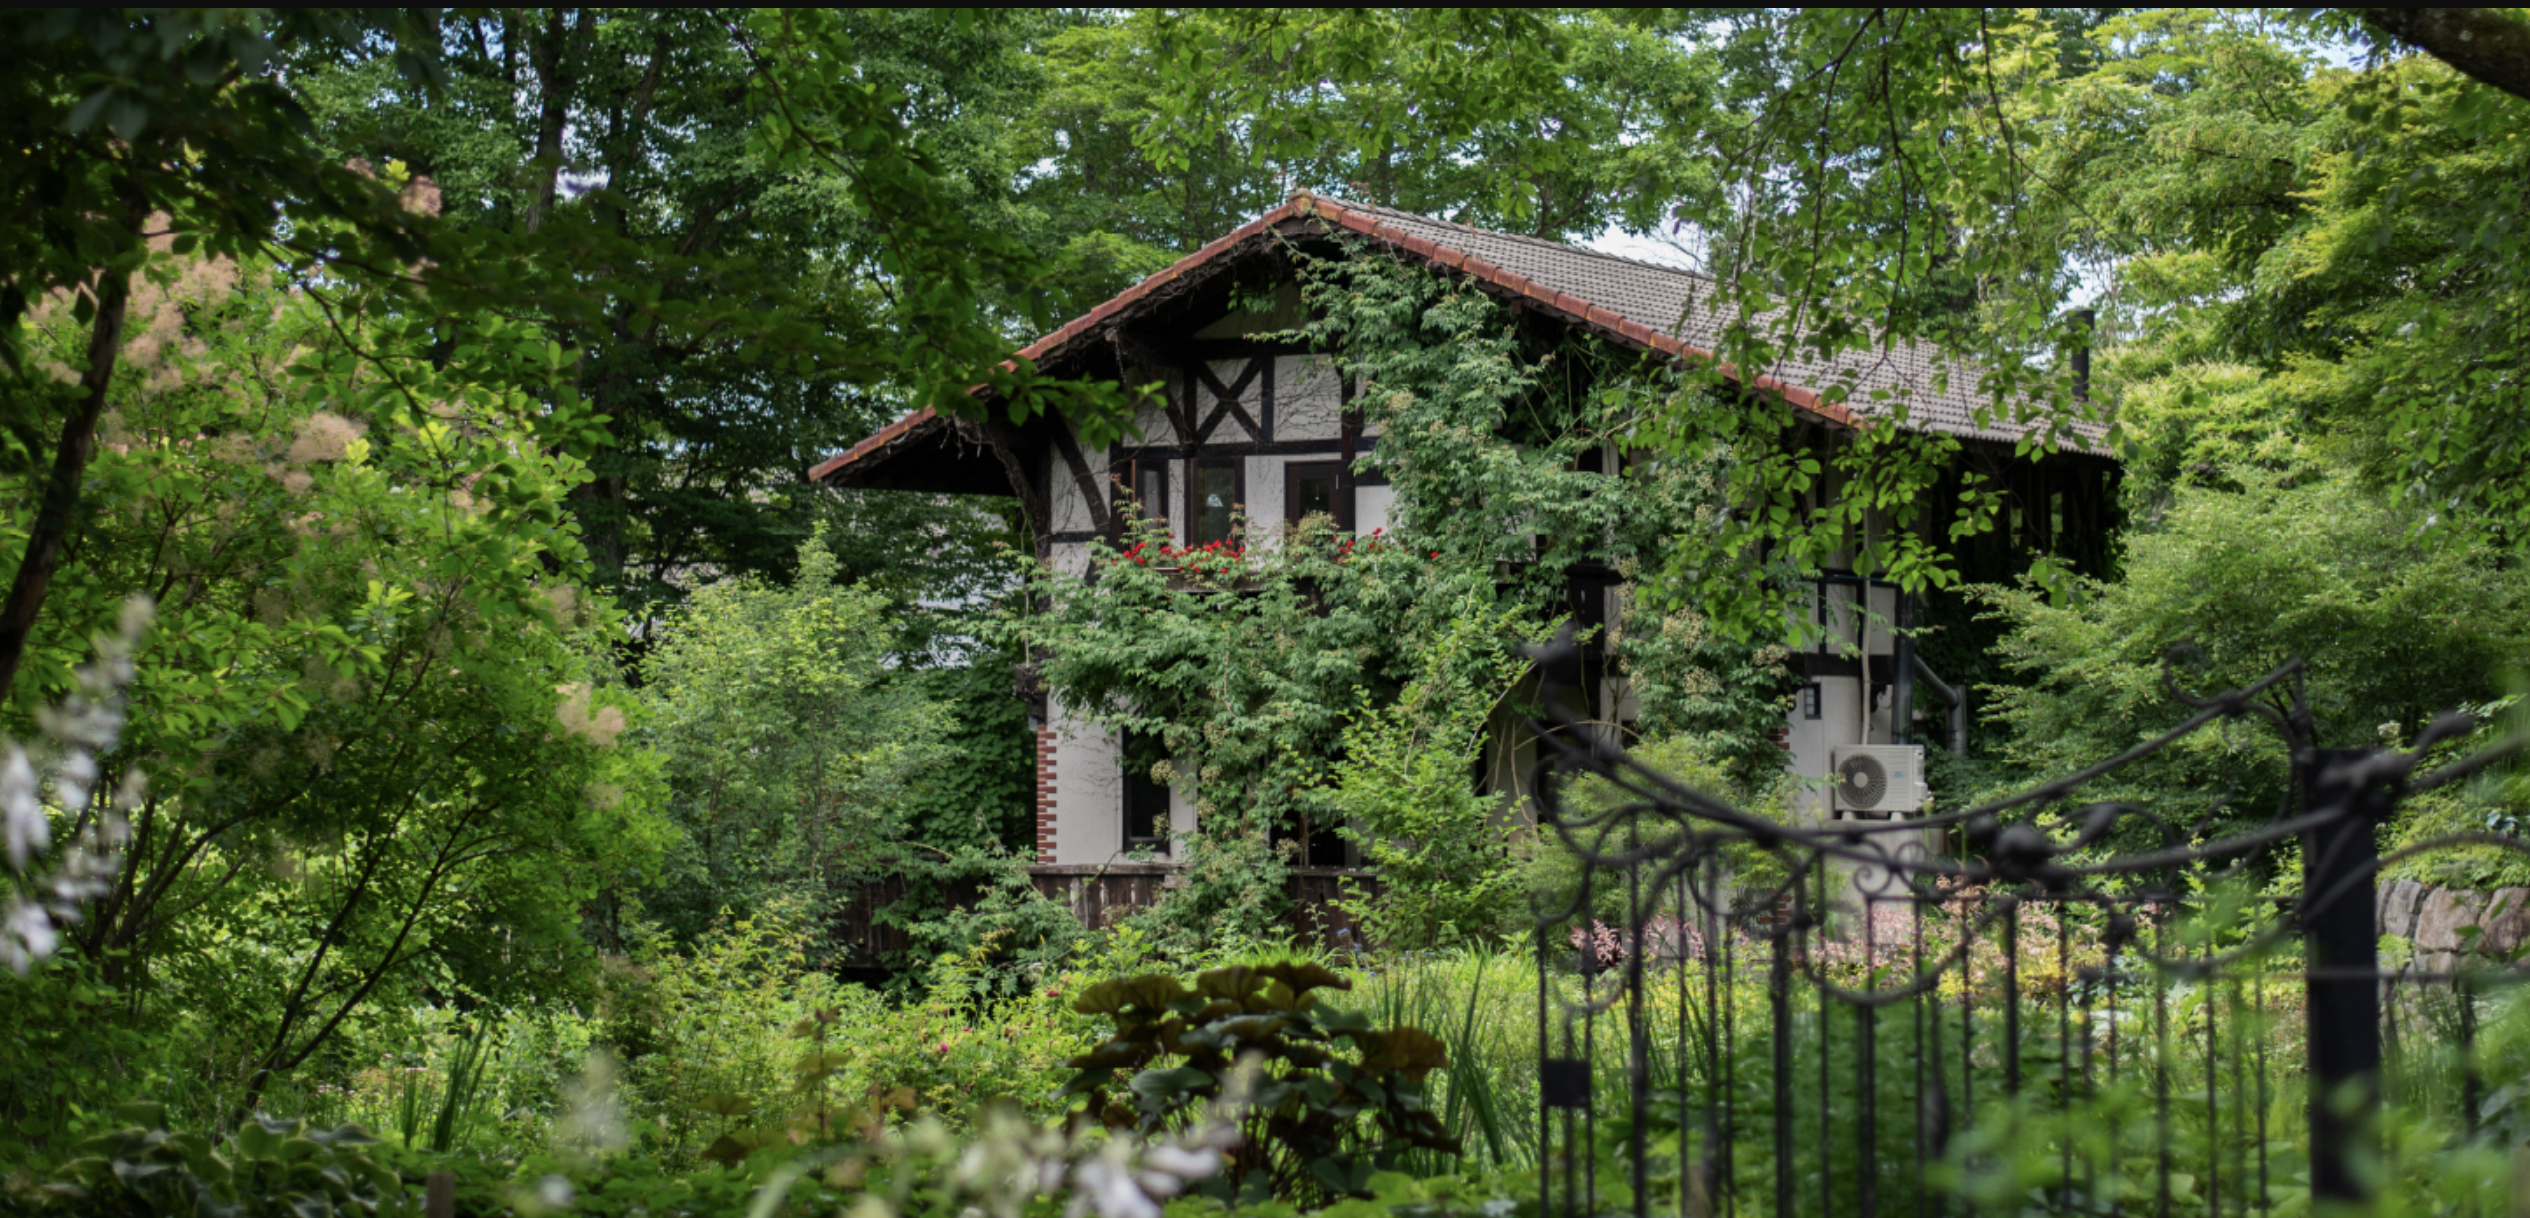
pixel 57 513
pixel 553 95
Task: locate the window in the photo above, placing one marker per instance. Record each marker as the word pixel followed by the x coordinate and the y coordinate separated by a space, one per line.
pixel 1144 486
pixel 1316 838
pixel 1809 702
pixel 1316 486
pixel 1213 493
pixel 1145 798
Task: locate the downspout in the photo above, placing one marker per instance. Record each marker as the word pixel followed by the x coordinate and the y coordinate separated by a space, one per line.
pixel 1902 681
pixel 1957 698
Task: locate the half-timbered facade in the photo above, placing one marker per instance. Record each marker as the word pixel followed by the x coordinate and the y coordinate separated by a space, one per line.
pixel 1264 429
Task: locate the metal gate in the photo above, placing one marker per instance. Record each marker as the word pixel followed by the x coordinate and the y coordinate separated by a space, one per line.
pixel 2029 1021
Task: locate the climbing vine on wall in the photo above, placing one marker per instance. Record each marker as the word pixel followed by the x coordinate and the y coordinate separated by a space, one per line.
pixel 1248 662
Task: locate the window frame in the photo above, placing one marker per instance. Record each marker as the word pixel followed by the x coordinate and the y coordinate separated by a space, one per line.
pixel 1126 477
pixel 1339 493
pixel 1138 785
pixel 1194 496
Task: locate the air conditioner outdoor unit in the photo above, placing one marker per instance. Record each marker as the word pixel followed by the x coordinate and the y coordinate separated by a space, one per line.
pixel 1874 780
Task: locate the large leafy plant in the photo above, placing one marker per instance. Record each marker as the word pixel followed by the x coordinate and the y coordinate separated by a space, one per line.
pixel 268 1167
pixel 1334 1099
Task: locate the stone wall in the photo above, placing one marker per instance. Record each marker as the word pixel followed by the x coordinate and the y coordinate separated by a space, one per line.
pixel 2432 919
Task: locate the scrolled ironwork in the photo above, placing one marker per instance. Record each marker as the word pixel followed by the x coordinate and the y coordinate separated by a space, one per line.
pixel 1662 847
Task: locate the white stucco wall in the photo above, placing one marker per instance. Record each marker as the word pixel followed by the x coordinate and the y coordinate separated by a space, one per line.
pixel 1251 399
pixel 1618 701
pixel 1069 510
pixel 1264 499
pixel 1151 421
pixel 1812 739
pixel 1181 815
pixel 1089 783
pixel 1308 398
pixel 1371 508
pixel 1088 790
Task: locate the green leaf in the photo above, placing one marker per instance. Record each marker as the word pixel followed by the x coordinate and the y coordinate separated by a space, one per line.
pixel 1115 996
pixel 257 1141
pixel 85 114
pixel 1173 1083
pixel 1411 1051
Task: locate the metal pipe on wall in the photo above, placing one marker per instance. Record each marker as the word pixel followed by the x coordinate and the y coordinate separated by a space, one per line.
pixel 1956 696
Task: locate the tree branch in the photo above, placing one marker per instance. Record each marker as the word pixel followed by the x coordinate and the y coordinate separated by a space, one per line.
pixel 447 862
pixel 2482 43
pixel 57 513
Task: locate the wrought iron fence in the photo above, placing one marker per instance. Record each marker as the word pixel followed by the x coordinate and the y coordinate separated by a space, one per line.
pixel 1737 1015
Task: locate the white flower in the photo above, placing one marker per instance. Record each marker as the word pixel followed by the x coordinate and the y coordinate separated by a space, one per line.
pixel 1105 1186
pixel 1183 1163
pixel 22 822
pixel 27 936
pixel 78 772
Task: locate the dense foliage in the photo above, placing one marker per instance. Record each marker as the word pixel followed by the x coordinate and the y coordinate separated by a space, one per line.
pixel 1251 665
pixel 2395 624
pixel 789 748
pixel 379 751
pixel 404 426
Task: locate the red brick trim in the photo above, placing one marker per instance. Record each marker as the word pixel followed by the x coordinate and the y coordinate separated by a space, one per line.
pixel 1045 795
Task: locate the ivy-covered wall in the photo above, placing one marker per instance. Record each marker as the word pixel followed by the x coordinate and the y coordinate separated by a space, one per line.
pixel 1305 675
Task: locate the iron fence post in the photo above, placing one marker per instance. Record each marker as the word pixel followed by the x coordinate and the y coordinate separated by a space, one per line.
pixel 2339 859
pixel 1779 1007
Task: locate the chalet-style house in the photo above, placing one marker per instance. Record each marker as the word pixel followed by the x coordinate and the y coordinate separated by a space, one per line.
pixel 1266 426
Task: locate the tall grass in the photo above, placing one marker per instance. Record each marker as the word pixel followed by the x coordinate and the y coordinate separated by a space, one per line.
pixel 451 1093
pixel 2207 1078
pixel 1482 1003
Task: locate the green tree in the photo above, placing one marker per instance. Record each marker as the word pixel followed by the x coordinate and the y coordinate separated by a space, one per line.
pixel 1168 129
pixel 2394 624
pixel 379 758
pixel 788 744
pixel 767 235
pixel 127 126
pixel 979 794
pixel 1441 848
pixel 1959 176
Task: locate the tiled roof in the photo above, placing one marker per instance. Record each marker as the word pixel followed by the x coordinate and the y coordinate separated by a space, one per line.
pixel 1672 300
pixel 1637 303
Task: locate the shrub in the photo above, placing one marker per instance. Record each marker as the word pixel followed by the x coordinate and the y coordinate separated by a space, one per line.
pixel 1334 1100
pixel 269 1167
pixel 1441 849
pixel 1551 871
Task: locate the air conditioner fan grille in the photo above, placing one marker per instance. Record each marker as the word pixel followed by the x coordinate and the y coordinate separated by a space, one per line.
pixel 1862 781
